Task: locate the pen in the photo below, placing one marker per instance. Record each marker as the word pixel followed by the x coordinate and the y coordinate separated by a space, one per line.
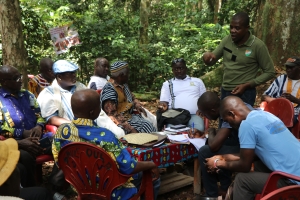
pixel 193 128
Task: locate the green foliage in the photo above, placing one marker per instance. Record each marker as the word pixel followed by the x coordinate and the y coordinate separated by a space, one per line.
pixel 36 37
pixel 229 8
pixel 110 28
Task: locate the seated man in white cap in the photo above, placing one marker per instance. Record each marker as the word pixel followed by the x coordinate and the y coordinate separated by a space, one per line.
pixel 55 100
pixel 10 175
pixel 119 103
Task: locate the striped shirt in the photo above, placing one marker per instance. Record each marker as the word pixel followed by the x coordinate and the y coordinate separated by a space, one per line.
pixel 280 86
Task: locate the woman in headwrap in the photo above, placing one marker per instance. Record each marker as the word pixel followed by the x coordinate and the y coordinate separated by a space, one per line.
pixel 120 104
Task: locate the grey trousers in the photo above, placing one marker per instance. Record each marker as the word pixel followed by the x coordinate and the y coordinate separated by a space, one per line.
pixel 247 185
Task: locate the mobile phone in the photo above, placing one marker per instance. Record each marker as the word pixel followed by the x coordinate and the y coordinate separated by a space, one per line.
pixel 45 142
pixel 178 126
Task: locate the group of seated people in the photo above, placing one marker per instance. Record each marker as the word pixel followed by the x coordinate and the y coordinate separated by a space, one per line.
pixel 60 100
pixel 81 113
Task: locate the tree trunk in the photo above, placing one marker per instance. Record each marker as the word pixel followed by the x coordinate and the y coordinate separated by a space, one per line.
pixel 277 24
pixel 13 49
pixel 200 5
pixel 213 78
pixel 211 10
pixel 218 4
pixel 144 23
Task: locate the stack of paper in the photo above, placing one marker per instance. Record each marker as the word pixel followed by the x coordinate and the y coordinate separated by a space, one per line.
pixel 184 139
pixel 173 131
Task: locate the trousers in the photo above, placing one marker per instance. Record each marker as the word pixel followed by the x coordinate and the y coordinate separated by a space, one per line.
pixel 224 176
pixel 248 96
pixel 26 166
pixel 246 185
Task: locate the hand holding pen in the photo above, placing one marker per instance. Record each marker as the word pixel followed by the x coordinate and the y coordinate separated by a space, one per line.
pixel 195 133
pixel 193 126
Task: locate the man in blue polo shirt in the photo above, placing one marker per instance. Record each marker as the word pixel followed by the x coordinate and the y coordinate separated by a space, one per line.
pixel 263 135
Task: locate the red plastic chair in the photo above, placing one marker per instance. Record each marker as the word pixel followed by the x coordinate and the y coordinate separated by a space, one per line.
pixel 283 109
pixel 289 192
pixel 296 129
pixel 83 162
pixel 271 184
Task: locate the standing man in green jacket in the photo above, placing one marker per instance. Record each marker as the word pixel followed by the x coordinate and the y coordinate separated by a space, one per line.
pixel 243 55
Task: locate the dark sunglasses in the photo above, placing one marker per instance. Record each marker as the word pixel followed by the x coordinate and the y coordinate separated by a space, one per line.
pixel 176 60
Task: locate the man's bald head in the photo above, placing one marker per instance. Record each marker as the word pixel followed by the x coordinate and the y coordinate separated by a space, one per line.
pixel 244 17
pixel 233 110
pixel 45 63
pixel 6 70
pixel 46 69
pixel 209 104
pixel 10 79
pixel 86 104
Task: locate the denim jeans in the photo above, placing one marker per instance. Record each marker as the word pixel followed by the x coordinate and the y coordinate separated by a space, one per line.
pixel 248 96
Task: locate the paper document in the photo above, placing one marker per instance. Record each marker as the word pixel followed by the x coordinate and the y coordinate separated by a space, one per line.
pixel 184 138
pixel 197 142
pixel 179 138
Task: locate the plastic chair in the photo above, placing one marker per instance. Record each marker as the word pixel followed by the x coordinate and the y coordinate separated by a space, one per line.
pixel 94 174
pixel 283 109
pixel 288 192
pixel 271 184
pixel 296 129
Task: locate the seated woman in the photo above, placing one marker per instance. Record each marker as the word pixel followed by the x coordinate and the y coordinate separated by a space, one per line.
pixel 119 103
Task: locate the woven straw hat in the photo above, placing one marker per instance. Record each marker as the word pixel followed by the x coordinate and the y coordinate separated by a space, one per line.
pixel 9 158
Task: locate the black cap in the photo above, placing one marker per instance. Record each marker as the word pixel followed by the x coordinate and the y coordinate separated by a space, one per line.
pixel 293 61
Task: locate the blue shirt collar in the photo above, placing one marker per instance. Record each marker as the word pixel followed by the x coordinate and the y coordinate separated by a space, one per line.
pixel 5 93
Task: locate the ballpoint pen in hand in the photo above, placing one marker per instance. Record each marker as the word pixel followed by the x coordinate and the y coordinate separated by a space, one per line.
pixel 193 125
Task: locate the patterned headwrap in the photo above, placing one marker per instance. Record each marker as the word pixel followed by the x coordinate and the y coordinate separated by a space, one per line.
pixel 117 66
pixel 62 66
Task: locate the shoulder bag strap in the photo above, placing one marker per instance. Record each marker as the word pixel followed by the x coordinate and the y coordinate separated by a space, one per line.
pixel 171 93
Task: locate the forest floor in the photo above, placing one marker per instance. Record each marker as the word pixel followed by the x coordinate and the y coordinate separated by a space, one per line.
pixel 185 193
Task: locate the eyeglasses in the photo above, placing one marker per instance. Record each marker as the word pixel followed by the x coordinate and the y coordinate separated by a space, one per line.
pixel 16 79
pixel 176 60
